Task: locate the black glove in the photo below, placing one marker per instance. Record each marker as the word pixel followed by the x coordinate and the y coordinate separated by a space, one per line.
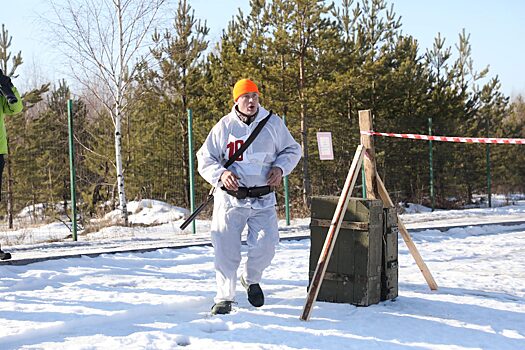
pixel 6 88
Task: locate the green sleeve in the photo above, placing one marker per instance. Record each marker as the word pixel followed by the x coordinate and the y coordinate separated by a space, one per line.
pixel 12 108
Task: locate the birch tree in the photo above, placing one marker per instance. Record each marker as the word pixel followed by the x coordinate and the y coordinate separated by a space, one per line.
pixel 178 78
pixel 103 40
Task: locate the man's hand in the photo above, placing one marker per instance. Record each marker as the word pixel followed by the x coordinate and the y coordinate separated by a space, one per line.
pixel 229 180
pixel 274 176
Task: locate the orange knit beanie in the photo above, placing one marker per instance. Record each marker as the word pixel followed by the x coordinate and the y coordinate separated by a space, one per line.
pixel 242 87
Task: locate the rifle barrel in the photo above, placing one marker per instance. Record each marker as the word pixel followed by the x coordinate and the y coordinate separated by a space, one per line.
pixel 196 212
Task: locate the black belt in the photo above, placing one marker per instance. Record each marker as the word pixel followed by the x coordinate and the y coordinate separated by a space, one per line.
pixel 253 192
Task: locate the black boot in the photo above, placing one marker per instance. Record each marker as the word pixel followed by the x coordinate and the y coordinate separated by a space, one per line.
pixel 4 255
pixel 221 308
pixel 255 293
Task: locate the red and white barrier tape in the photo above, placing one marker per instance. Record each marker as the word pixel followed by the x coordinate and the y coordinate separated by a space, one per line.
pixel 448 138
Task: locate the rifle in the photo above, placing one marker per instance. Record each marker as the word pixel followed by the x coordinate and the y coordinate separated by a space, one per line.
pixel 198 210
pixel 230 161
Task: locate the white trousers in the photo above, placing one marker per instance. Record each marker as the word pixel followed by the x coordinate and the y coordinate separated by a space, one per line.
pixel 226 229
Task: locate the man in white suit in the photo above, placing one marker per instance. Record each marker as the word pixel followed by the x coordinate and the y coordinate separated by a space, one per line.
pixel 244 194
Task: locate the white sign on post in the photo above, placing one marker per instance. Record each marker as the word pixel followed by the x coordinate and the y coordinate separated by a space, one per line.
pixel 324 143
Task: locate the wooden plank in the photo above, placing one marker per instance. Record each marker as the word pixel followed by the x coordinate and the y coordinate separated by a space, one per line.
pixel 365 124
pixel 383 193
pixel 333 231
pixel 349 225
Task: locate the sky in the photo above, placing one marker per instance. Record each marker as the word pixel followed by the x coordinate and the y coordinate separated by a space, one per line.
pixel 161 299
pixel 496 32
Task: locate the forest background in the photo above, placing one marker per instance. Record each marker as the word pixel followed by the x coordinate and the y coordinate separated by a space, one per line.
pixel 316 63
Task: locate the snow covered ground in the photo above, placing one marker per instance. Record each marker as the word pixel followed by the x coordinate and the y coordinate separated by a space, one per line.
pixel 161 299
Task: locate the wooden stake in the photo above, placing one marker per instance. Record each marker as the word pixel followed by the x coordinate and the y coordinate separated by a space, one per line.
pixel 365 124
pixel 375 188
pixel 333 231
pixel 406 237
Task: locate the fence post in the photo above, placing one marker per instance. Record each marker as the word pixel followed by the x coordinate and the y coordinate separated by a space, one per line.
pixel 72 174
pixel 190 156
pixel 489 180
pixel 286 193
pixel 431 164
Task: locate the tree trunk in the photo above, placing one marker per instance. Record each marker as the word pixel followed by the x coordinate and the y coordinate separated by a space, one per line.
pixel 118 119
pixel 9 192
pixel 120 172
pixel 307 190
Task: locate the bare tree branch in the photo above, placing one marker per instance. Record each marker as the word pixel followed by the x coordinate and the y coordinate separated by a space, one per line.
pixel 102 39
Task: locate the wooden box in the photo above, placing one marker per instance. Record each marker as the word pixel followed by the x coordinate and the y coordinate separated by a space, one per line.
pixel 353 273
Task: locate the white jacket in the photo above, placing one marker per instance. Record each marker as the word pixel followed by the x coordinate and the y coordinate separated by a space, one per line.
pixel 273 147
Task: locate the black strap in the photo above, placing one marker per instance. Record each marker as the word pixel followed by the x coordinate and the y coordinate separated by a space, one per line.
pixel 249 140
pixel 230 161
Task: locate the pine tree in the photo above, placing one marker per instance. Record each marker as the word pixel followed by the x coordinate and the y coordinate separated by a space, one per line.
pixel 490 121
pixel 178 82
pixel 445 105
pixel 469 157
pixel 403 163
pixel 98 183
pixel 241 53
pixel 510 160
pixel 308 26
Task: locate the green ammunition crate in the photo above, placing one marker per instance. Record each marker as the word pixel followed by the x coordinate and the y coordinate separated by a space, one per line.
pixel 389 271
pixel 353 274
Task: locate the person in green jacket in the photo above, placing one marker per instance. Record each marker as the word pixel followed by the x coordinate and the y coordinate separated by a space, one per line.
pixel 10 103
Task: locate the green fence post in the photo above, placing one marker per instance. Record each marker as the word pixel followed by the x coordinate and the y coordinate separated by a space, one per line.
pixel 489 180
pixel 190 156
pixel 431 166
pixel 286 193
pixel 72 174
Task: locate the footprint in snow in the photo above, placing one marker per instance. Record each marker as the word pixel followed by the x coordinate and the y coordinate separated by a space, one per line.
pixel 211 325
